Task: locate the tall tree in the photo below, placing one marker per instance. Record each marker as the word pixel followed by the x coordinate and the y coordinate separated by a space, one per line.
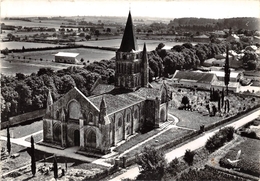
pixel 55 168
pixel 227 71
pixel 33 163
pixel 153 164
pixel 8 144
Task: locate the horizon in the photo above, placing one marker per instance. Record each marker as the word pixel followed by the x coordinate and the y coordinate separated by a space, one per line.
pixel 211 9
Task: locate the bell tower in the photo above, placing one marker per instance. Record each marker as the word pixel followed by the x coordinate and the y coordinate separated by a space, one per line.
pixel 130 64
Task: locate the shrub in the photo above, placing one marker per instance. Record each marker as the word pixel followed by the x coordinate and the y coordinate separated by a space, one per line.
pixel 153 164
pixel 173 167
pixel 218 139
pixel 188 157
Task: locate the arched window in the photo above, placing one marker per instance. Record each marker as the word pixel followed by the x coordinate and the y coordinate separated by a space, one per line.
pixel 74 110
pixel 128 118
pixel 57 114
pixel 124 57
pixel 135 114
pixel 90 118
pixel 119 124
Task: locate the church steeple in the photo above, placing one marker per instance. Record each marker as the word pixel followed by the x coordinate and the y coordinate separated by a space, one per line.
pixel 129 41
pixel 145 68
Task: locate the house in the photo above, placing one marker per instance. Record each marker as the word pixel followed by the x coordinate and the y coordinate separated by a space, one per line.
pixel 98 122
pixel 233 37
pixel 234 76
pixel 66 57
pixel 201 38
pixel 205 80
pixel 195 79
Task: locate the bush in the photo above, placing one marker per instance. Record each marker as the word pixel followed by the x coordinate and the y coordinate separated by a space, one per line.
pixel 188 157
pixel 153 164
pixel 173 167
pixel 217 140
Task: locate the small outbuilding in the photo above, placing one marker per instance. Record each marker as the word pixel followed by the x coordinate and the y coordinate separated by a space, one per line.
pixel 66 57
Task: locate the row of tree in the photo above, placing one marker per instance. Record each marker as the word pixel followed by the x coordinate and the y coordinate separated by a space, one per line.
pixel 25 93
pixel 163 62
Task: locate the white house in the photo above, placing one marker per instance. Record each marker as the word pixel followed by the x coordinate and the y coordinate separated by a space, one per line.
pixel 66 57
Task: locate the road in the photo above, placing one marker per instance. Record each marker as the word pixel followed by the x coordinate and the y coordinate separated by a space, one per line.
pixel 192 145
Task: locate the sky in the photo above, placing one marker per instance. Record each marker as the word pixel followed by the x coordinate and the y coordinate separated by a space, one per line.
pixel 153 8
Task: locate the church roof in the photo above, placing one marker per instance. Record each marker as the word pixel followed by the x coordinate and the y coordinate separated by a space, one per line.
pixel 129 41
pixel 116 102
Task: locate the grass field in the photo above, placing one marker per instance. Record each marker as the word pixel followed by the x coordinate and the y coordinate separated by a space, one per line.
pixel 32 62
pixel 249 158
pixel 135 140
pixel 193 120
pixel 21 131
pixel 19 45
pixel 150 44
pixel 169 135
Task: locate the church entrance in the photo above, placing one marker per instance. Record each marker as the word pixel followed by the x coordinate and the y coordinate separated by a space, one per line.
pixel 76 138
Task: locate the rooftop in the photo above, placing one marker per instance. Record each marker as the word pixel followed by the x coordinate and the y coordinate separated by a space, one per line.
pixel 194 76
pixel 222 73
pixel 66 54
pixel 116 101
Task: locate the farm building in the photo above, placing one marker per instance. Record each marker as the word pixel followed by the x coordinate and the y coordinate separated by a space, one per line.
pixel 193 79
pixel 66 57
pixel 201 38
pixel 205 80
pixel 98 122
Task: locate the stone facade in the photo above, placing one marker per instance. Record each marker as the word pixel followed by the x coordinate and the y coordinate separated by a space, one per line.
pixel 97 123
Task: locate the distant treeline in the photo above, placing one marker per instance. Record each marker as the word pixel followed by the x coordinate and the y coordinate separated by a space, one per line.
pixel 56 48
pixel 216 24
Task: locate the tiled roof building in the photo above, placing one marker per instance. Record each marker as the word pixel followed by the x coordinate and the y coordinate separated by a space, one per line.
pixel 98 122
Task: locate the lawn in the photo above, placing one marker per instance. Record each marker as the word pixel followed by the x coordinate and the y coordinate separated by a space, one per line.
pixel 85 53
pixel 198 101
pixel 135 140
pixel 37 138
pixel 20 45
pixel 10 163
pixel 24 130
pixel 249 158
pixel 169 135
pixel 76 170
pixel 193 120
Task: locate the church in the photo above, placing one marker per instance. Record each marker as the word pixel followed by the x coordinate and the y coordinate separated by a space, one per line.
pixel 99 122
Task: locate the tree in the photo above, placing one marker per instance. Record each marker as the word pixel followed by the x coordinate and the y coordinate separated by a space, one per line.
pixel 82 59
pixel 97 33
pixel 23 48
pixel 188 157
pixel 153 164
pixel 8 143
pixel 108 30
pixel 227 71
pixel 20 76
pixel 88 37
pixel 33 163
pixel 55 167
pixel 185 101
pixel 5 51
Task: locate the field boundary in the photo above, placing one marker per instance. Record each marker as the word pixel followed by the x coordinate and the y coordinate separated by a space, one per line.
pixel 61 47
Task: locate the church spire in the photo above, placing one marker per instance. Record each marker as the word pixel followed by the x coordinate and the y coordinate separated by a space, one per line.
pixel 145 67
pixel 129 41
